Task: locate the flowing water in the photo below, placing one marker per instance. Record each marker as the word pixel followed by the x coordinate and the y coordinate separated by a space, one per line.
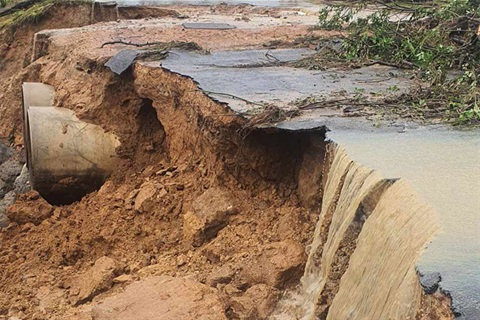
pixel 443 168
pixel 369 235
pixel 373 228
pixel 347 185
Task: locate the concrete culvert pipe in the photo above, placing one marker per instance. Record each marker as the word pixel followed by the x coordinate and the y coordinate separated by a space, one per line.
pixel 67 158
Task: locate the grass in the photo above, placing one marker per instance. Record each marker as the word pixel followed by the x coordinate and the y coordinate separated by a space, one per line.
pixel 434 39
pixel 33 13
pixel 4 3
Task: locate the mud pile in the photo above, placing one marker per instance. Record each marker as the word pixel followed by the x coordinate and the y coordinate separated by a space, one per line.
pixel 193 195
pixel 201 207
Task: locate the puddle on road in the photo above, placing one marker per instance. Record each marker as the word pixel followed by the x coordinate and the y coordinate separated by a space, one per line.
pixel 443 167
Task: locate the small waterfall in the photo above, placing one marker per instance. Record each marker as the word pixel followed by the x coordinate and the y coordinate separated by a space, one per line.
pixel 361 263
pixel 381 281
pixel 347 184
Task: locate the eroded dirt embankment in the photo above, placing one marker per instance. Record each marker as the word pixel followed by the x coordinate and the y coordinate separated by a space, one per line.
pixel 176 144
pixel 19 47
pixel 196 192
pixel 16 49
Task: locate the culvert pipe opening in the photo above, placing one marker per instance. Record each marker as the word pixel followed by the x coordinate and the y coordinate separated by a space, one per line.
pixel 67 158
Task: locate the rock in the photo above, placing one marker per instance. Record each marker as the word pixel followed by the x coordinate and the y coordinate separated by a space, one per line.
pixel 161 268
pixel 182 260
pixel 9 170
pixel 222 275
pixel 22 182
pixel 163 172
pixel 29 207
pixel 97 279
pixel 130 199
pixel 50 299
pixel 231 290
pixel 162 298
pixel 6 202
pixel 280 265
pixel 257 303
pixel 124 278
pixel 193 228
pixel 4 221
pixel 430 282
pixel 5 152
pixel 144 198
pixel 3 188
pixel 210 214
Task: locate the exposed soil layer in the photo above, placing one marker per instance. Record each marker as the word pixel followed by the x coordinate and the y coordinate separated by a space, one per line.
pixel 215 208
pixel 176 144
pixel 178 156
pixel 16 43
pixel 16 49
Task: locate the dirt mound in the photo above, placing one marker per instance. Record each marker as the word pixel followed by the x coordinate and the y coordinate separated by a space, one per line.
pixel 162 297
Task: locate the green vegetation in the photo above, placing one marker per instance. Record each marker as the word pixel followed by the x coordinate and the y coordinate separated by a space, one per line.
pixel 4 3
pixel 31 13
pixel 439 40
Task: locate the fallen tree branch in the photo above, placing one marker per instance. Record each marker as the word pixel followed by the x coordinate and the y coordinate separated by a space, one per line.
pixel 131 43
pixel 401 65
pixel 228 95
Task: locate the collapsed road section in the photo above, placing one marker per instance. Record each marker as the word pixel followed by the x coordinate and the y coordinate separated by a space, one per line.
pixel 297 168
pixel 222 197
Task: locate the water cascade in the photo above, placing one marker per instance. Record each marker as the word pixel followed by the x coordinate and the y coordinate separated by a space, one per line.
pixel 369 235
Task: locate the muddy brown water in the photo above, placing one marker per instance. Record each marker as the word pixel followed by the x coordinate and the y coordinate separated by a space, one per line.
pixel 442 166
pixel 370 231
